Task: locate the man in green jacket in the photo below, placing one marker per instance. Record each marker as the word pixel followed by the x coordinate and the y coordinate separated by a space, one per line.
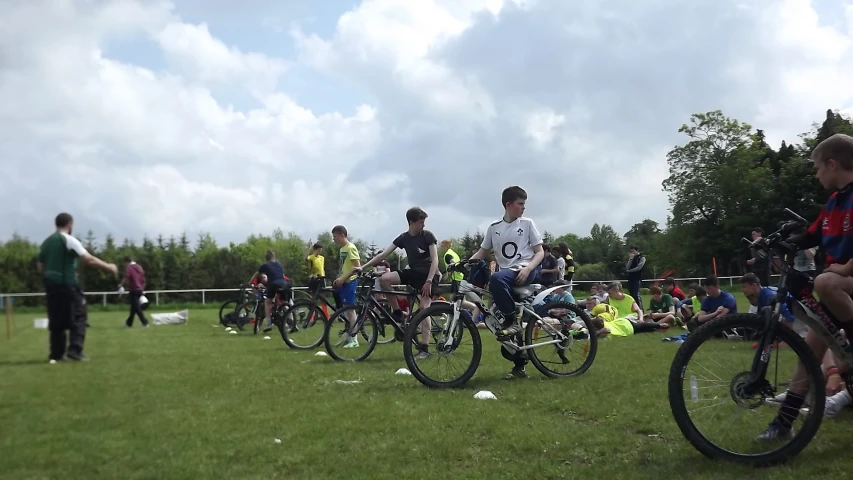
pixel 66 304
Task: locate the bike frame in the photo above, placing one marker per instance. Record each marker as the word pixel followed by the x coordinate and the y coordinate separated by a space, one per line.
pixel 366 299
pixel 471 293
pixel 796 290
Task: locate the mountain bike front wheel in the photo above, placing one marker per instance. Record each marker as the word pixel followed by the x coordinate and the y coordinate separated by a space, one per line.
pixel 711 393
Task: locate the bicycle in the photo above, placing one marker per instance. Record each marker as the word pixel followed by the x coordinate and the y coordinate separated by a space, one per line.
pixel 551 322
pixel 751 388
pixel 242 311
pixel 305 314
pixel 371 316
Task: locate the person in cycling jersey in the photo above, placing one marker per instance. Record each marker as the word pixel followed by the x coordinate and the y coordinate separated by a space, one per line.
pixel 276 283
pixel 833 167
pixel 518 251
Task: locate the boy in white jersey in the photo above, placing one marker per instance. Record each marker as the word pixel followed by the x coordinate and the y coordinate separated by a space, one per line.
pixel 518 251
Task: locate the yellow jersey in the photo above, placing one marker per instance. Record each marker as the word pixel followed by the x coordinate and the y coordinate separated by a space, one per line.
pixel 619 327
pixel 454 258
pixel 348 255
pixel 316 266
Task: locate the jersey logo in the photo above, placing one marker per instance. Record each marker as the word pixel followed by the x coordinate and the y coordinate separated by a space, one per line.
pixel 847 223
pixel 520 231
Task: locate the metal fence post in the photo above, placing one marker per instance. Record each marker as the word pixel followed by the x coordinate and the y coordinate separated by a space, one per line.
pixel 105 299
pixel 202 297
pixel 156 298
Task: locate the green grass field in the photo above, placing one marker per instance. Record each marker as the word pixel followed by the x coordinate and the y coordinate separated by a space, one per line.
pixel 193 402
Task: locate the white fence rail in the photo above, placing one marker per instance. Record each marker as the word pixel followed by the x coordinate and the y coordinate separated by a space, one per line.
pixel 156 293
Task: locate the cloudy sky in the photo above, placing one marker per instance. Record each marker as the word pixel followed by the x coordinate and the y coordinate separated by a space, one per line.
pixel 153 117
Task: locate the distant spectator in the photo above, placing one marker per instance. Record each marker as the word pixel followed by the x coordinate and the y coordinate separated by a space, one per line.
pixel 760 264
pixel 671 287
pixel 560 255
pixel 661 307
pixel 549 271
pixel 634 267
pixel 599 291
pixel 760 296
pixel 448 256
pixel 316 267
pixel 718 303
pixel 690 306
pixel 561 294
pixel 570 263
pixel 625 305
pixel 134 281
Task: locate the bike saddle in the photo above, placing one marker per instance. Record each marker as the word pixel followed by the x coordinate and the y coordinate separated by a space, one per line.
pixel 527 290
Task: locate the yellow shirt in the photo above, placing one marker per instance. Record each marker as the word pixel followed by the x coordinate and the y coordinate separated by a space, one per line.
pixel 454 258
pixel 348 256
pixel 316 266
pixel 605 311
pixel 623 306
pixel 619 327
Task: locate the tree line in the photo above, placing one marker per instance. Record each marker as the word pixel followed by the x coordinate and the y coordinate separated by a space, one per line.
pixel 724 181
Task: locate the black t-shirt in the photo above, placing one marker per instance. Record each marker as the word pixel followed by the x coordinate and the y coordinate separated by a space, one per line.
pixel 549 263
pixel 274 272
pixel 417 248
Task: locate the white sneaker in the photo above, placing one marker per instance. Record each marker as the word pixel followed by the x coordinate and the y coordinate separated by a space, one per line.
pixel 835 403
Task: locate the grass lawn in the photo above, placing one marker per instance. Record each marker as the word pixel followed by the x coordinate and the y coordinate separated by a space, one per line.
pixel 193 402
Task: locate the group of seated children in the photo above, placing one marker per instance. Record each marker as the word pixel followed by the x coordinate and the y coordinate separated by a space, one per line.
pixel 616 313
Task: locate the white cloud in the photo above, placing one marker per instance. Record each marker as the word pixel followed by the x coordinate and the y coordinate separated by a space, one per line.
pixel 576 101
pixel 193 51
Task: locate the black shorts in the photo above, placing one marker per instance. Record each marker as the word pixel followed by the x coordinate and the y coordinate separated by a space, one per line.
pixel 416 278
pixel 282 287
pixel 315 284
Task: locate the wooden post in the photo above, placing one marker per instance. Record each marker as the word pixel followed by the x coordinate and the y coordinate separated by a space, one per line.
pixel 7 301
pixel 714 261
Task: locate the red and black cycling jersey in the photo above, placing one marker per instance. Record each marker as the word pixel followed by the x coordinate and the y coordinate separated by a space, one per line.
pixel 833 229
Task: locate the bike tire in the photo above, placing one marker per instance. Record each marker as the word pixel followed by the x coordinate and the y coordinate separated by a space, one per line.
pixel 227 307
pixel 369 321
pixel 240 321
pixel 441 308
pixel 319 323
pixel 590 352
pixel 678 406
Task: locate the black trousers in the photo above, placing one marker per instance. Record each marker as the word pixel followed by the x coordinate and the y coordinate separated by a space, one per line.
pixel 66 319
pixel 135 309
pixel 634 291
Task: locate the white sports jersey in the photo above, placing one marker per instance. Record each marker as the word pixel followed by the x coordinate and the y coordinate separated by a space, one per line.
pixel 512 242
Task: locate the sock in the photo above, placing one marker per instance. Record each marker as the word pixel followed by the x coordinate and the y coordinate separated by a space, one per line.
pixel 790 409
pixel 509 319
pixel 423 347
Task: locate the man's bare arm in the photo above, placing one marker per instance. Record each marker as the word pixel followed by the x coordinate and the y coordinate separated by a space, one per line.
pixel 481 254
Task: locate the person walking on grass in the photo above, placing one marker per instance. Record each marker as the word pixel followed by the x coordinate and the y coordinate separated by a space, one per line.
pixel 66 303
pixel 134 282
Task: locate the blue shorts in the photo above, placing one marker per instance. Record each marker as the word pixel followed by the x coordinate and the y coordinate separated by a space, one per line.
pixel 346 293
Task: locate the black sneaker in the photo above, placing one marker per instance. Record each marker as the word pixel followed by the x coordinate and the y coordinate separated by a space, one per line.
pixel 775 432
pixel 77 357
pixel 515 373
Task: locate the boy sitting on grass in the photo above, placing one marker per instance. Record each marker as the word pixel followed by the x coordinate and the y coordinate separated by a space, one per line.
pixel 661 307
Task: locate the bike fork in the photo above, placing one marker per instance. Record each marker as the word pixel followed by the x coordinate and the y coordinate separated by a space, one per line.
pixel 765 345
